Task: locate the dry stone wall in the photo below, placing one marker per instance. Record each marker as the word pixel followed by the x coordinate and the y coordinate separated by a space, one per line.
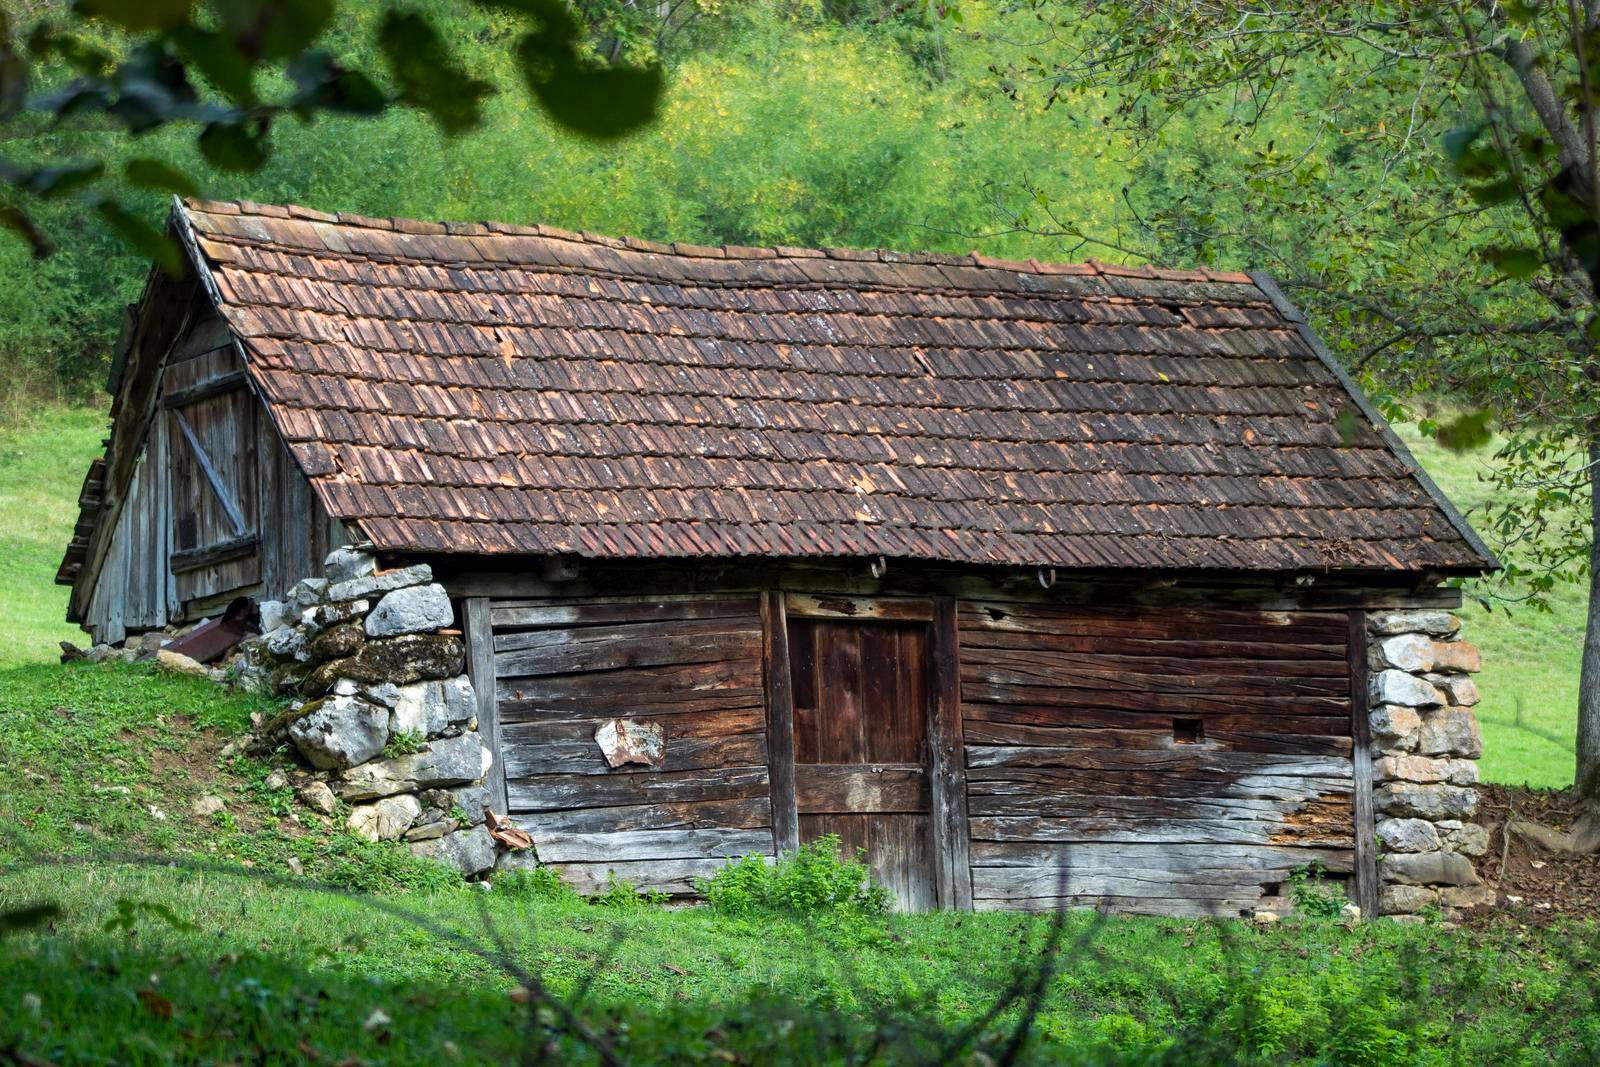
pixel 1425 748
pixel 384 715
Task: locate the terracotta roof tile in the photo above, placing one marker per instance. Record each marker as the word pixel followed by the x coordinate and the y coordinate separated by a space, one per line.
pixel 486 389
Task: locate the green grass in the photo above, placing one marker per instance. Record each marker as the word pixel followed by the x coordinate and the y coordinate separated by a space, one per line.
pixel 42 464
pixel 199 958
pixel 1529 683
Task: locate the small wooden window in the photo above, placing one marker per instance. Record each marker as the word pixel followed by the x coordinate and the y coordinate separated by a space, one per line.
pixel 1188 731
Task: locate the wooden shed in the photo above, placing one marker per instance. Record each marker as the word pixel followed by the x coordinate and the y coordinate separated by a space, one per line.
pixel 1039 583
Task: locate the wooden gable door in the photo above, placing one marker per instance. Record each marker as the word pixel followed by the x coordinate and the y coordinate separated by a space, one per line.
pixel 861 693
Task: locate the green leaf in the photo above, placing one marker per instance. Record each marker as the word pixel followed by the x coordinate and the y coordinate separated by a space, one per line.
pixel 1466 432
pixel 274 29
pixel 154 174
pixel 27 917
pixel 15 220
pixel 426 75
pixel 1457 141
pixel 237 146
pixel 1501 192
pixel 138 16
pixel 602 103
pixel 53 182
pixel 324 84
pixel 220 62
pixel 142 237
pixel 1514 262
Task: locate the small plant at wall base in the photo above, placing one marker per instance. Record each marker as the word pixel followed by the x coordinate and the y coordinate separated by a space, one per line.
pixel 405 743
pixel 813 881
pixel 1314 894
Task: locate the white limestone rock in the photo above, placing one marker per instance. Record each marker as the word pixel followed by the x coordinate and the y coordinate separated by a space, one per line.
pixel 1405 899
pixel 318 797
pixel 449 761
pixel 1408 835
pixel 1432 801
pixel 1394 727
pixel 308 593
pixel 1426 769
pixel 381 582
pixel 275 614
pixel 1407 652
pixel 1400 687
pixel 340 731
pixel 1460 689
pixel 347 564
pixel 1450 732
pixel 468 851
pixel 433 708
pixel 1467 838
pixel 386 820
pixel 1426 621
pixel 1427 868
pixel 413 610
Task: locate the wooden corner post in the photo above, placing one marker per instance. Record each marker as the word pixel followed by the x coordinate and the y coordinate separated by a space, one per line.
pixel 948 765
pixel 780 721
pixel 480 669
pixel 1366 873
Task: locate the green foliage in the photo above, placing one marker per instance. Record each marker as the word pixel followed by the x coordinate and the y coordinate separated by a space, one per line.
pixel 538 883
pixel 381 867
pixel 1314 895
pixel 405 743
pixel 622 895
pixel 815 881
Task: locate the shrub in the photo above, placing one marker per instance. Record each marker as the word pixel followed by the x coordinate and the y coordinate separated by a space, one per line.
pixel 377 867
pixel 405 743
pixel 621 893
pixel 541 883
pixel 815 880
pixel 1315 895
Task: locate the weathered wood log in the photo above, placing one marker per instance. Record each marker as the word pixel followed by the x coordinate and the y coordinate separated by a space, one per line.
pixel 982 640
pixel 1109 827
pixel 1020 669
pixel 1233 717
pixel 822 788
pixel 678 878
pixel 567 637
pixel 668 844
pixel 975 690
pixel 1180 860
pixel 514 615
pixel 747 814
pixel 628 652
pixel 524 759
pixel 1184 759
pixel 824 606
pixel 1096 802
pixel 699 724
pixel 1044 784
pixel 559 791
pixel 979 732
pixel 1240 904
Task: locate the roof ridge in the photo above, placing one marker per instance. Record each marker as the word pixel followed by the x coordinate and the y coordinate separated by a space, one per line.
pixel 696 251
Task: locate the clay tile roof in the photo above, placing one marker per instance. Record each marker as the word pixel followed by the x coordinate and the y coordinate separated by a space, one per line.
pixel 485 389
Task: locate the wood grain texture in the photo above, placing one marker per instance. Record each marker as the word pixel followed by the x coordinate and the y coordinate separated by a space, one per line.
pixel 1366 844
pixel 947 764
pixel 480 669
pixel 780 721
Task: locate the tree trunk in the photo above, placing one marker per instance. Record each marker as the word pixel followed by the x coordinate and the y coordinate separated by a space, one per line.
pixel 1588 771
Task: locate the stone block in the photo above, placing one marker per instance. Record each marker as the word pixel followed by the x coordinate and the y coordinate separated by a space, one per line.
pixel 405 659
pixel 1405 899
pixel 413 610
pixel 1460 689
pixel 275 614
pixel 449 761
pixel 1408 835
pixel 472 799
pixel 468 851
pixel 1425 769
pixel 337 642
pixel 308 593
pixel 348 564
pixel 1431 801
pixel 1427 868
pixel 1400 687
pixel 326 615
pixel 1471 896
pixel 1467 838
pixel 1450 732
pixel 381 582
pixel 1406 652
pixel 340 731
pixel 386 820
pixel 1394 727
pixel 433 708
pixel 1417 621
pixel 430 830
pixel 1457 657
pixel 178 663
pixel 287 642
pixel 318 797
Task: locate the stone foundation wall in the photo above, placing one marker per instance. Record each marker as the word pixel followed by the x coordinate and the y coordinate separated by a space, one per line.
pixel 1425 747
pixel 383 713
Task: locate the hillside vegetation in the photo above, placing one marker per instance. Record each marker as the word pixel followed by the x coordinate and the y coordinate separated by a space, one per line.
pixel 184 934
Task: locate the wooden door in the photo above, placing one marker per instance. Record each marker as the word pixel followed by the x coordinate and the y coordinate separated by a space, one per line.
pixel 861 701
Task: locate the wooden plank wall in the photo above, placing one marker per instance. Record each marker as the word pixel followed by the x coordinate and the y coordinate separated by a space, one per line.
pixel 693 665
pixel 133 590
pixel 1159 760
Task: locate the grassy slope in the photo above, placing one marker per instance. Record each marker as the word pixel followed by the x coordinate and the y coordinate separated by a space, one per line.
pixel 1530 658
pixel 86 753
pixel 1529 683
pixel 41 470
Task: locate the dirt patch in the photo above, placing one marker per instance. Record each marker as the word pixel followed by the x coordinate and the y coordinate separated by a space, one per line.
pixel 1531 883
